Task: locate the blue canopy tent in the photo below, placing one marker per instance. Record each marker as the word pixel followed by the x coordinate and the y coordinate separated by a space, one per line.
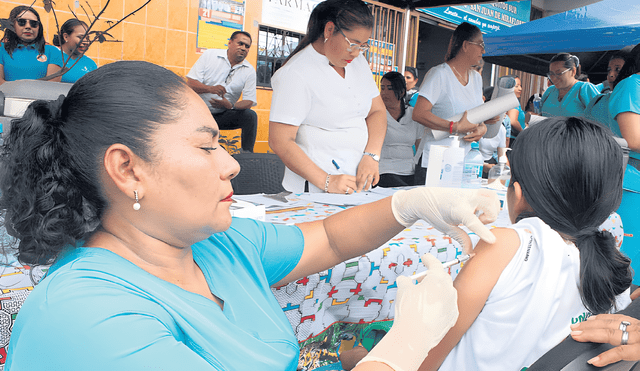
pixel 591 32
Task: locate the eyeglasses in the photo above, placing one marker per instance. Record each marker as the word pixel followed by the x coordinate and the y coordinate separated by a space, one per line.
pixel 552 74
pixel 354 46
pixel 230 75
pixel 23 22
pixel 480 44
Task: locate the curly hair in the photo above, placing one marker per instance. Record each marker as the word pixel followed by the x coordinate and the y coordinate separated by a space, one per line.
pixel 51 162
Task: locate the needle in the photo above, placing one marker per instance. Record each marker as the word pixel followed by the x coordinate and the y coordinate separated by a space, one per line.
pixel 458 260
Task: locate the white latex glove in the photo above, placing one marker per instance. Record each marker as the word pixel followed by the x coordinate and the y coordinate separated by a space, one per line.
pixel 424 314
pixel 446 208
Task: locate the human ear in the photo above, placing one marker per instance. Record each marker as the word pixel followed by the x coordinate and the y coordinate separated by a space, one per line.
pixel 520 204
pixel 329 29
pixel 124 168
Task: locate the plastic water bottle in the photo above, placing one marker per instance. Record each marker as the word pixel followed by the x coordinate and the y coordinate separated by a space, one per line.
pixel 536 104
pixel 472 170
pixel 500 173
pixel 499 178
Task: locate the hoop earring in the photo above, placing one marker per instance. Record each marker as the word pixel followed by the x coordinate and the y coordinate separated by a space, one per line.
pixel 136 205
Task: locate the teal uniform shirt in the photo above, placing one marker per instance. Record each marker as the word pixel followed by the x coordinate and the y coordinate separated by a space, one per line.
pixel 598 110
pixel 84 65
pixel 97 311
pixel 521 120
pixel 625 98
pixel 26 63
pixel 573 103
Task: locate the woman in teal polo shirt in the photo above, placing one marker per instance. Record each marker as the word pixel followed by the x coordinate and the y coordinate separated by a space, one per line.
pixel 567 96
pixel 24 54
pixel 74 44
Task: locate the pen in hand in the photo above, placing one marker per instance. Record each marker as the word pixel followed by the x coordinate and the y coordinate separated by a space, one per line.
pixel 458 260
pixel 335 164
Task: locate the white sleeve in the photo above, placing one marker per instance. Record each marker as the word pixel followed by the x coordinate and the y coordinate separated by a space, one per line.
pixel 291 98
pixel 502 133
pixel 197 72
pixel 431 85
pixel 369 82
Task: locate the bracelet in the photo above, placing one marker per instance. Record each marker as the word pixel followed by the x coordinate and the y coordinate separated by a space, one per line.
pixel 450 127
pixel 326 184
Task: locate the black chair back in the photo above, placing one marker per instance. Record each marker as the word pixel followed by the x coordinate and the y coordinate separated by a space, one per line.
pixel 259 173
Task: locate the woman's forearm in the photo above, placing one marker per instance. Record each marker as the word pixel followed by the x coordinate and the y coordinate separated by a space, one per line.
pixel 629 123
pixel 422 114
pixel 376 127
pixel 282 141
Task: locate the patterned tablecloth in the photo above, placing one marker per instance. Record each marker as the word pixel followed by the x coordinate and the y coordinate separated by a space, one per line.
pixel 329 311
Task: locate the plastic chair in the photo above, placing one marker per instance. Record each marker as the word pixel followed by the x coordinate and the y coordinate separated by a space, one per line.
pixel 259 173
pixel 571 355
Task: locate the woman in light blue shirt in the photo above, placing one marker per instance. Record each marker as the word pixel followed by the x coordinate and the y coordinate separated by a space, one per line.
pixel 74 44
pixel 126 190
pixel 567 96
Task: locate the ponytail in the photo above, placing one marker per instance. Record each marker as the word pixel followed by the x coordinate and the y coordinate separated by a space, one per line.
pixel 51 188
pixel 40 194
pixel 604 271
pixel 570 171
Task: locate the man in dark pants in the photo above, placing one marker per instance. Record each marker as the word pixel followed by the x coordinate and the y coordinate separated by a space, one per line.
pixel 220 77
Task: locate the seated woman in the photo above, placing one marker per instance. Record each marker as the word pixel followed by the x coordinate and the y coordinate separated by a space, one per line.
pixel 553 267
pixel 516 115
pixel 493 148
pixel 396 159
pixel 411 77
pixel 567 96
pixel 24 54
pixel 74 44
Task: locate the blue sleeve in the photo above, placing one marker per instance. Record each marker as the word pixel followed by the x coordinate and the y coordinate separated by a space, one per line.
pixel 625 97
pixel 588 91
pixel 414 99
pixel 279 246
pixel 54 55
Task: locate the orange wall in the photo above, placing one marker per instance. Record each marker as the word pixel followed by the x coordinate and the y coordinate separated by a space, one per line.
pixel 164 33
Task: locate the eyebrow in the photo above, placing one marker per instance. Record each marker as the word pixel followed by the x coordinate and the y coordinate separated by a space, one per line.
pixel 206 129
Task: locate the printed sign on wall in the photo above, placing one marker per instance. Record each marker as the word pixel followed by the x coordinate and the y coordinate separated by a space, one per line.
pixel 217 20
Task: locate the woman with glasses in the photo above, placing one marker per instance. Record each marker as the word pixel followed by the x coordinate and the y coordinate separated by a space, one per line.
pixel 452 88
pixel 396 159
pixel 24 54
pixel 327 120
pixel 567 96
pixel 74 44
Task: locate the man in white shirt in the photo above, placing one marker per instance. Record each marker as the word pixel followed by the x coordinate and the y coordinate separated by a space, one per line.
pixel 220 77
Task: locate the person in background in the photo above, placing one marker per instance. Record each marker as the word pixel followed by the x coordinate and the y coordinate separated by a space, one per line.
pixel 74 44
pixel 126 190
pixel 327 121
pixel 518 296
pixel 24 55
pixel 492 148
pixel 396 159
pixel 516 115
pixel 411 78
pixel 452 88
pixel 613 68
pixel 220 76
pixel 583 77
pixel 568 96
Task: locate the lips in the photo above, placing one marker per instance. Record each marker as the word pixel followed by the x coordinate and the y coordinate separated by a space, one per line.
pixel 228 198
pixel 348 60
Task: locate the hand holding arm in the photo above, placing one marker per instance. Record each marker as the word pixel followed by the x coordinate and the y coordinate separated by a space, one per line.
pixel 423 315
pixel 201 88
pixel 445 208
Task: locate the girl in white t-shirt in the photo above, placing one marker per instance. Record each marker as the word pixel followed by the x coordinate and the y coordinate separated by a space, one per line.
pixel 553 267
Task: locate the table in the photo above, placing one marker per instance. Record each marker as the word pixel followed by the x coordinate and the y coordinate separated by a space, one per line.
pixel 327 311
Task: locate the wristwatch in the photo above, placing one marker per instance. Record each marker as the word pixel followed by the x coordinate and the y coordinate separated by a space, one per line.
pixel 375 157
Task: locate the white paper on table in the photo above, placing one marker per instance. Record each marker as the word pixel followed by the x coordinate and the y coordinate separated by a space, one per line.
pixel 484 112
pixel 434 166
pixel 260 199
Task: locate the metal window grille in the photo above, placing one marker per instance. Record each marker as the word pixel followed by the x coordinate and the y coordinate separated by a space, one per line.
pixel 274 46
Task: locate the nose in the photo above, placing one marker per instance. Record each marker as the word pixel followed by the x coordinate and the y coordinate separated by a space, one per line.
pixel 231 167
